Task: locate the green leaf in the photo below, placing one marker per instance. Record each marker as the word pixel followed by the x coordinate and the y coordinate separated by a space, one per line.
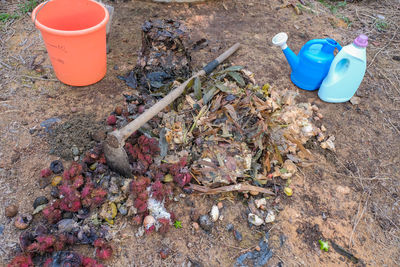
pixel 237 77
pixel 223 88
pixel 283 170
pixel 209 95
pixel 178 224
pixel 233 68
pixel 197 88
pixel 162 142
pixel 324 245
pixel 190 84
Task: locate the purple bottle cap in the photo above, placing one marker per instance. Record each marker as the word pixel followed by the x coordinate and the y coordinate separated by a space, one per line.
pixel 361 41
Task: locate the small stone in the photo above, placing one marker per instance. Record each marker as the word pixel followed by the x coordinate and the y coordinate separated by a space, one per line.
pixel 246 195
pixel 329 144
pixel 221 217
pixel 254 219
pixel 355 100
pixel 148 222
pixel 182 195
pixel 323 128
pixel 254 193
pixel 257 248
pixel 74 109
pixel 11 211
pixel 189 245
pixel 40 201
pixel 238 235
pixel 270 217
pixel 76 158
pixel 260 202
pixel 75 150
pixel 314 108
pixel 206 222
pixel 320 115
pixel 229 227
pixel 343 190
pixel 22 221
pixel 196 226
pixel 214 213
pixel 220 205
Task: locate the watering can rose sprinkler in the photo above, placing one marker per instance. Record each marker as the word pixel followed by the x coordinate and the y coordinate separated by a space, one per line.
pixel 311 65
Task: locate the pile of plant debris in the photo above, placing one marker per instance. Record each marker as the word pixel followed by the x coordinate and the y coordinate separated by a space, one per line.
pixel 228 134
pixel 164 57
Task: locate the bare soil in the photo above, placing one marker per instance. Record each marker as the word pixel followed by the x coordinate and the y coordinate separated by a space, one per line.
pixel 350 197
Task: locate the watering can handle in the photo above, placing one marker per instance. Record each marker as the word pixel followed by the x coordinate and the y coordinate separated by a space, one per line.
pixel 313 42
pixel 320 41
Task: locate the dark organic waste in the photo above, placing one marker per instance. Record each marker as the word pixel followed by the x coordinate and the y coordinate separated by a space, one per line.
pixel 163 58
pixel 56 166
pixel 258 258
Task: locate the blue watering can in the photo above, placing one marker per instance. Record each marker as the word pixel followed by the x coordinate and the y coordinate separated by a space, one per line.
pixel 311 65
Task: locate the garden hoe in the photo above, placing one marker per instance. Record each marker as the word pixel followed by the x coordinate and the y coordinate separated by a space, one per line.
pixel 114 151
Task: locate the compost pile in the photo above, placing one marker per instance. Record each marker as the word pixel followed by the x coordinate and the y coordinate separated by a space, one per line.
pixel 227 134
pixel 163 58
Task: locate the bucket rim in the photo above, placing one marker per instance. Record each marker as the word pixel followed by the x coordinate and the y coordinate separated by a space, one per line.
pixel 40 26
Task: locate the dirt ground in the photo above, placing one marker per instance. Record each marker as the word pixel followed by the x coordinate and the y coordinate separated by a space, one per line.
pixel 351 197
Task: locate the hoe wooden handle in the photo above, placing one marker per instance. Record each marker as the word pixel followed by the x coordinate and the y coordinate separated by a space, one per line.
pixel 123 133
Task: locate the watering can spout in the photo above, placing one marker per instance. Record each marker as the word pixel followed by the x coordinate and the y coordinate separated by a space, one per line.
pixel 280 40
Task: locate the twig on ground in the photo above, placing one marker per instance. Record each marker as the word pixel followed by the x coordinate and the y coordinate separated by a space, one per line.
pixel 230 188
pixel 358 221
pixel 38 78
pixel 380 50
pixel 390 81
pixel 388 120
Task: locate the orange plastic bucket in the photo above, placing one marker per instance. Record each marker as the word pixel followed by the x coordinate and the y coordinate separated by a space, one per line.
pixel 74 32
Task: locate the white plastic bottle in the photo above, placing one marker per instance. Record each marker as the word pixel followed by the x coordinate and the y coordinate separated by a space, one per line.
pixel 346 72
